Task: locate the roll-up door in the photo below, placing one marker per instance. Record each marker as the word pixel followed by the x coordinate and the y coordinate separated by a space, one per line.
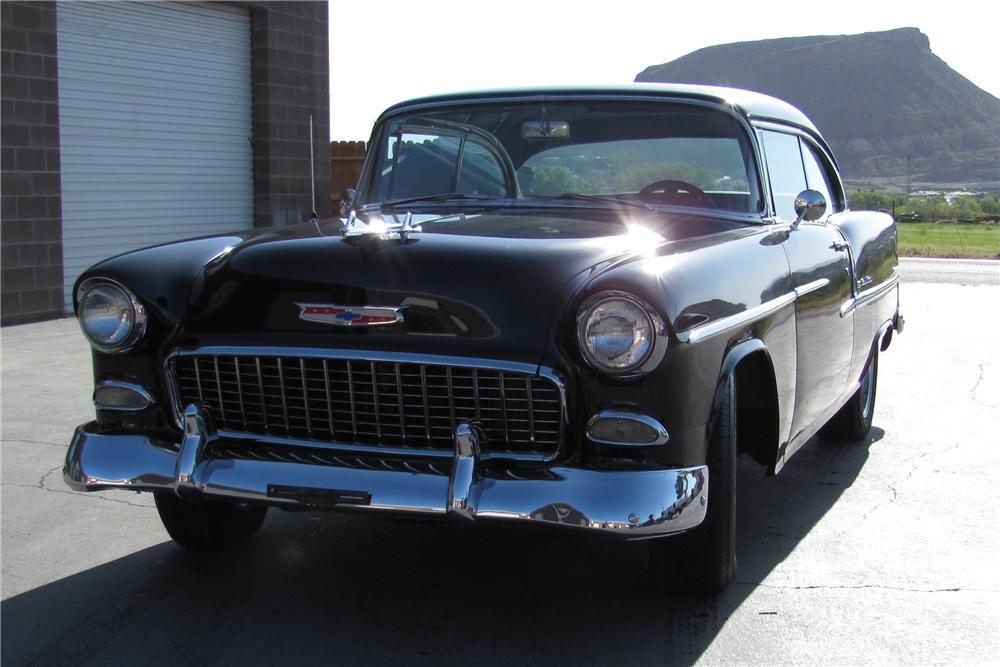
pixel 154 126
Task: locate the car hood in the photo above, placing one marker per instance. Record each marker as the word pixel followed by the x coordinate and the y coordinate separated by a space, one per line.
pixel 476 285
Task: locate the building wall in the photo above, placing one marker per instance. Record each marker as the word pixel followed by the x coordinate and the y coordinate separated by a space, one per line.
pixel 31 227
pixel 290 81
pixel 290 71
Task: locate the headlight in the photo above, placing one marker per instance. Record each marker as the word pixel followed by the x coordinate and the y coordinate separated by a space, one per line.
pixel 616 333
pixel 110 315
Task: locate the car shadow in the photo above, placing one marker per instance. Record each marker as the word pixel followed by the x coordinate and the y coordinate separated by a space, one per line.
pixel 340 588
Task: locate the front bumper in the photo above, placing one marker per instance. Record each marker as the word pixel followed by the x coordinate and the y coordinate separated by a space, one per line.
pixel 628 503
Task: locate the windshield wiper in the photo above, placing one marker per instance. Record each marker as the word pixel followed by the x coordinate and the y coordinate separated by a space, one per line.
pixel 608 199
pixel 448 196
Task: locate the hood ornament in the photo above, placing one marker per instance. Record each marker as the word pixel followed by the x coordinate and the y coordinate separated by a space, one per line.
pixel 350 316
pixel 356 229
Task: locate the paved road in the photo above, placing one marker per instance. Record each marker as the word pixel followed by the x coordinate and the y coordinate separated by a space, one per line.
pixel 879 552
pixel 974 272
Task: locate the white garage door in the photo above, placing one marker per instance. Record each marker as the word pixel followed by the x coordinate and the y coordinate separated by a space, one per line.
pixel 154 126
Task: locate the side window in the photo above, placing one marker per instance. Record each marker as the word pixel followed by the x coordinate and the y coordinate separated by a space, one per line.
pixel 418 165
pixel 784 167
pixel 481 173
pixel 816 176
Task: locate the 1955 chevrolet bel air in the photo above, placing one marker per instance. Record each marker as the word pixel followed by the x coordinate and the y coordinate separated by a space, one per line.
pixel 568 308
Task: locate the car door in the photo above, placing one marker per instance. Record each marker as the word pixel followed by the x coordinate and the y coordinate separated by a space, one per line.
pixel 820 275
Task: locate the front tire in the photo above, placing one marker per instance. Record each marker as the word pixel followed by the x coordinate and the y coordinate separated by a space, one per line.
pixel 854 420
pixel 702 561
pixel 208 523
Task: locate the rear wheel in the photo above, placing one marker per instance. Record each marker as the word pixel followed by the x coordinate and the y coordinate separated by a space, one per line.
pixel 208 523
pixel 702 561
pixel 854 420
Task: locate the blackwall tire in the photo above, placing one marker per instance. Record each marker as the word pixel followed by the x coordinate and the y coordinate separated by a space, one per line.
pixel 702 561
pixel 853 421
pixel 208 523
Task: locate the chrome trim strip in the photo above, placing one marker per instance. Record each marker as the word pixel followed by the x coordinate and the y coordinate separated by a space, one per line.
pixel 224 434
pixel 646 420
pixel 399 398
pixel 137 389
pixel 802 290
pixel 426 403
pixel 865 298
pixel 361 355
pixel 218 388
pixel 375 402
pixel 239 390
pixel 724 324
pixel 329 398
pixel 305 397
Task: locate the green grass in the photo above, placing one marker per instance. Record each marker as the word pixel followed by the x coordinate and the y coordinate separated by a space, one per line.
pixel 932 239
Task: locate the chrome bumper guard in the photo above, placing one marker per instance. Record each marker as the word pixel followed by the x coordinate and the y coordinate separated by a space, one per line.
pixel 627 503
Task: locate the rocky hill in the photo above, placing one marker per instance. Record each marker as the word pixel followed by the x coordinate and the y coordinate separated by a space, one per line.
pixel 877 97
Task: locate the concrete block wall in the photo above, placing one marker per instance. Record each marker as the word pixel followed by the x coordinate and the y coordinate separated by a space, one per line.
pixel 30 191
pixel 290 82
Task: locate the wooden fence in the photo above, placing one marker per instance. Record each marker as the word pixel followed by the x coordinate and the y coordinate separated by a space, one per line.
pixel 346 158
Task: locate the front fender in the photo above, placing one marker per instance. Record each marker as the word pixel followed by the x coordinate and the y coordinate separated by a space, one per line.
pixel 693 285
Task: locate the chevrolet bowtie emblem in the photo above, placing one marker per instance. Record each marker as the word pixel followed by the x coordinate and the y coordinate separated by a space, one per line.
pixel 350 316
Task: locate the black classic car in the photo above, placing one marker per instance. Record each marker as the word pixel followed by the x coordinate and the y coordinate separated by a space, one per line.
pixel 567 308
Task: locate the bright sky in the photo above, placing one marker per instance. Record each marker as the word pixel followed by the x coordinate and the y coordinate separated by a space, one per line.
pixel 382 52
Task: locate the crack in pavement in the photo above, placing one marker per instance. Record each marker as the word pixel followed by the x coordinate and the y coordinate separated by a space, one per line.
pixel 893 484
pixel 40 484
pixel 979 380
pixel 63 445
pixel 861 587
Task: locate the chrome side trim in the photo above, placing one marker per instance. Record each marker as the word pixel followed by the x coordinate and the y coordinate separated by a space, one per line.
pixel 802 290
pixel 646 420
pixel 127 386
pixel 725 324
pixel 865 298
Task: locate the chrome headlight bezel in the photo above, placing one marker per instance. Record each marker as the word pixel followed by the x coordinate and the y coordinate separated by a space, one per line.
pixel 657 336
pixel 136 313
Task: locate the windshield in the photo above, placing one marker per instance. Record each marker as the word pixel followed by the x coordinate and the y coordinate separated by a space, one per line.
pixel 603 152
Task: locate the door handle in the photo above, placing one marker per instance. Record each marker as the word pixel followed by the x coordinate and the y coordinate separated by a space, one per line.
pixel 839 246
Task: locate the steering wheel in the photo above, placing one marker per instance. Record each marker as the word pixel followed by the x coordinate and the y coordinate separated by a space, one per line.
pixel 680 193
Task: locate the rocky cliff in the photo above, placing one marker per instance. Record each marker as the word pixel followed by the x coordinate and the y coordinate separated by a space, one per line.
pixel 877 97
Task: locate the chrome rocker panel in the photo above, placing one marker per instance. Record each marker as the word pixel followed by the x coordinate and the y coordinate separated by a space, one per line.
pixel 631 504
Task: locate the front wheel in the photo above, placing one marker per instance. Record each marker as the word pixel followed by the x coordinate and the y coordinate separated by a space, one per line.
pixel 702 561
pixel 854 420
pixel 208 523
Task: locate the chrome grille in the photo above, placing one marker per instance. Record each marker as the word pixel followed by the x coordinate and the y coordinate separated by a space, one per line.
pixel 372 403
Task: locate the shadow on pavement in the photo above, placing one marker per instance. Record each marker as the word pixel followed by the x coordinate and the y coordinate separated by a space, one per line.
pixel 330 588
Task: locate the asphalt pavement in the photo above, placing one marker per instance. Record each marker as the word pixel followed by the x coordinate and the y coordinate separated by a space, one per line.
pixel 880 552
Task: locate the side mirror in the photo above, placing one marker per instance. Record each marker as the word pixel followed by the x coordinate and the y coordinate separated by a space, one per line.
pixel 346 201
pixel 809 205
